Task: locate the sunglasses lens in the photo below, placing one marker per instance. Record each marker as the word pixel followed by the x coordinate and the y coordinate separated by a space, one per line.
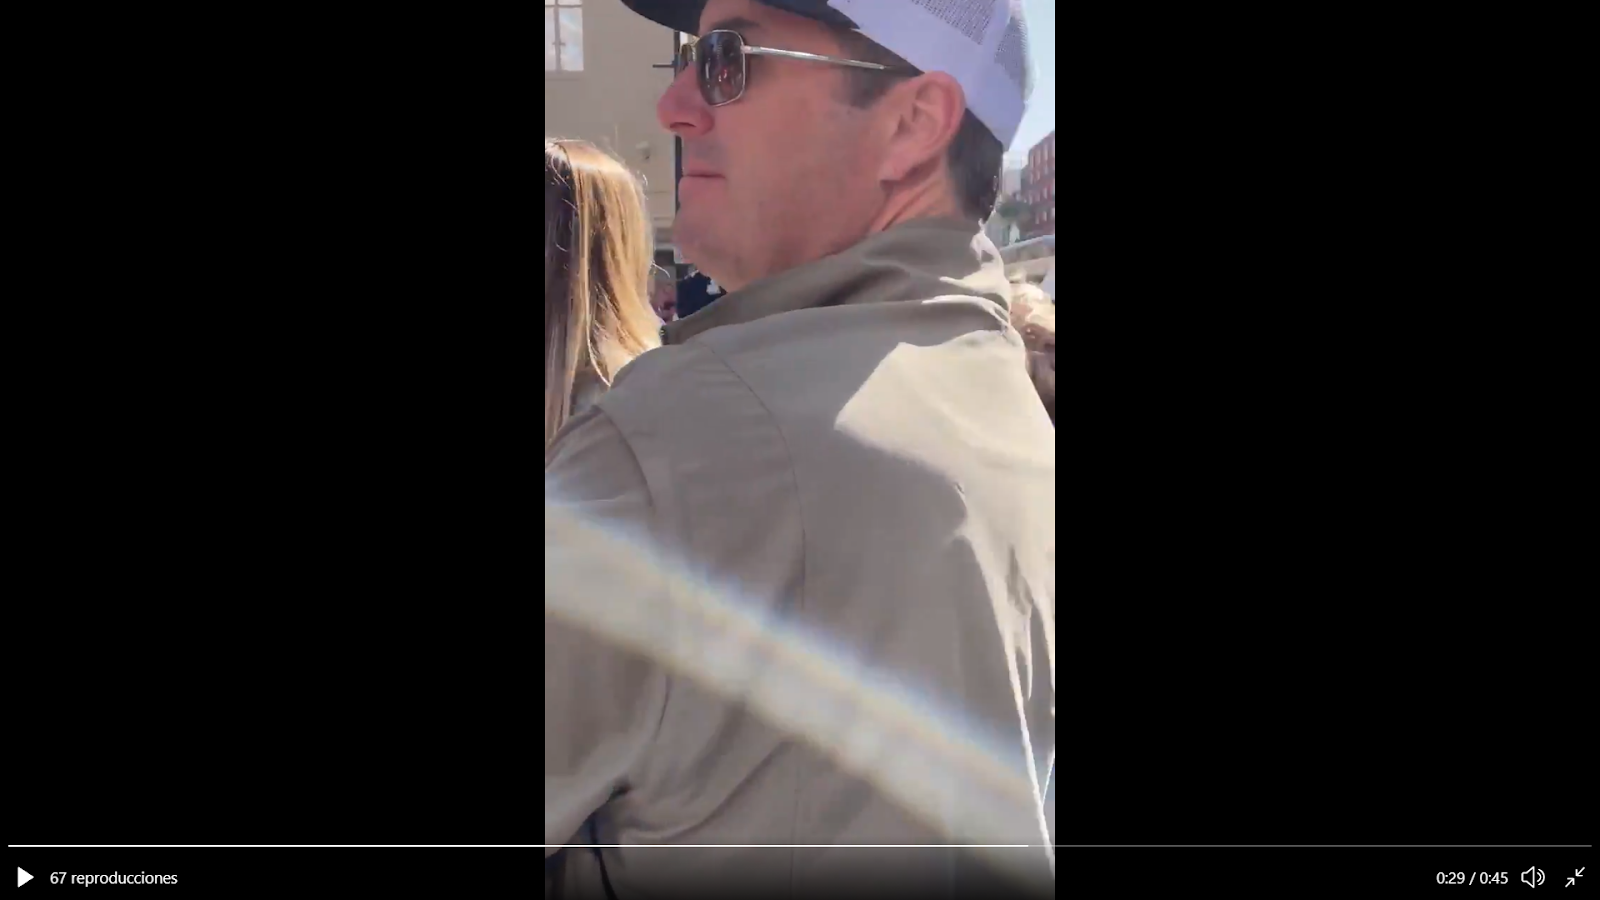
pixel 720 67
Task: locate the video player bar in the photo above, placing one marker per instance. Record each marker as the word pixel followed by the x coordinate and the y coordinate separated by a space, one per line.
pixel 230 871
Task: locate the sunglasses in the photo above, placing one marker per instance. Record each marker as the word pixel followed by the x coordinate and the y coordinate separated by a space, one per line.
pixel 721 63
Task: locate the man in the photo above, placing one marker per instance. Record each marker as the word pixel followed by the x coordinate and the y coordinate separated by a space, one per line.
pixel 800 588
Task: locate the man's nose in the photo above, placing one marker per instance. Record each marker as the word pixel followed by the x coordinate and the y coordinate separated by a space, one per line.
pixel 681 110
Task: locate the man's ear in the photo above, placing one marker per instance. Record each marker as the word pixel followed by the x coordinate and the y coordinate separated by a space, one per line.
pixel 926 114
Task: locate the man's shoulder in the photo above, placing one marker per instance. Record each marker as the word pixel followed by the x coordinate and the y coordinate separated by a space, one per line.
pixel 590 459
pixel 661 362
pixel 659 380
pixel 675 396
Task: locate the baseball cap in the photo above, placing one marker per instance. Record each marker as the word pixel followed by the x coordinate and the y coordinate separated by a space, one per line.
pixel 982 44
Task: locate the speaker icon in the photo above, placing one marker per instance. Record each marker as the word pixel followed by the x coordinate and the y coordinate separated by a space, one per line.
pixel 1533 877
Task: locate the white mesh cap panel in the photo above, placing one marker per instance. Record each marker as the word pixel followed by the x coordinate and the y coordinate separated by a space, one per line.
pixel 983 44
pixel 1015 56
pixel 971 19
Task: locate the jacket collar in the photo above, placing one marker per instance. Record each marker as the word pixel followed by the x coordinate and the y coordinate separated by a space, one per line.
pixel 917 260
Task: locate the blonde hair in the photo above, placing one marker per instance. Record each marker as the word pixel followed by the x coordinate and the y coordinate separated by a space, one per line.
pixel 1029 303
pixel 598 253
pixel 1033 315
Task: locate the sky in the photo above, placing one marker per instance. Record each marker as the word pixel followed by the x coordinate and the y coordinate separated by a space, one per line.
pixel 1040 119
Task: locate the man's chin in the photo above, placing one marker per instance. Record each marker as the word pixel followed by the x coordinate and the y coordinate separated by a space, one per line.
pixel 698 245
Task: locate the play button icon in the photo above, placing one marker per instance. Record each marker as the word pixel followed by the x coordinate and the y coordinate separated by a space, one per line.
pixel 22 876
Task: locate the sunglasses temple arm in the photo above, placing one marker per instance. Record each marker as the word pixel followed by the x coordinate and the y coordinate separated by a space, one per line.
pixel 795 54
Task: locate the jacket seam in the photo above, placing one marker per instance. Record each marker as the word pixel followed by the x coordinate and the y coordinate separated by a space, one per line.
pixel 805 560
pixel 650 497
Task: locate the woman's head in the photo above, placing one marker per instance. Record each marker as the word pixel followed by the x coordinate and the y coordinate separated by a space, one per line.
pixel 1034 317
pixel 664 295
pixel 597 258
pixel 1033 314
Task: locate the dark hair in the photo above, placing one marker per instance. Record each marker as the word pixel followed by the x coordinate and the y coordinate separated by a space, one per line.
pixel 975 154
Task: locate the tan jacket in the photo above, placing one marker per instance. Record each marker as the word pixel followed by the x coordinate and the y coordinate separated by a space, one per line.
pixel 800 588
pixel 587 389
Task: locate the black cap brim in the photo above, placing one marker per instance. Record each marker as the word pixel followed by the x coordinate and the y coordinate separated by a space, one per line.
pixel 684 15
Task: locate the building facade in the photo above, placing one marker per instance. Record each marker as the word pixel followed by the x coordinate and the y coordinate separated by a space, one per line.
pixel 604 69
pixel 1039 189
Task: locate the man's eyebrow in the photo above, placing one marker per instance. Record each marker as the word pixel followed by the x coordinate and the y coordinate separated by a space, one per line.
pixel 737 23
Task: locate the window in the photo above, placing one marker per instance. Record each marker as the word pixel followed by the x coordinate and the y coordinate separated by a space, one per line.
pixel 563 35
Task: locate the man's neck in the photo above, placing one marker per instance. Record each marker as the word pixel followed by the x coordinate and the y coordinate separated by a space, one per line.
pixel 900 209
pixel 922 204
